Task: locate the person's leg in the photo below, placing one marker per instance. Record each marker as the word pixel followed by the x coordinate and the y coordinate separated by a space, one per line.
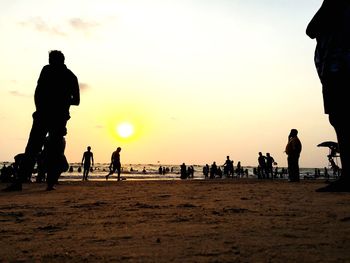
pixel 293 169
pixel 118 168
pixel 111 171
pixel 87 172
pixel 336 101
pixel 34 147
pixel 55 151
pixel 342 132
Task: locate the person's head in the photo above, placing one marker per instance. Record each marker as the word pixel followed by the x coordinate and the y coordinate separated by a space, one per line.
pixel 56 57
pixel 119 149
pixel 89 148
pixel 260 153
pixel 293 132
pixel 267 154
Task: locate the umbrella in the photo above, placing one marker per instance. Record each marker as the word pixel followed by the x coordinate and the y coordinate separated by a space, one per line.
pixel 333 146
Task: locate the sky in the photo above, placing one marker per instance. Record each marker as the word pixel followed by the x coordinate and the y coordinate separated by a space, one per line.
pixel 196 80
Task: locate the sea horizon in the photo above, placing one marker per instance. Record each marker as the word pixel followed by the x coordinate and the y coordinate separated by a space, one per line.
pixel 172 172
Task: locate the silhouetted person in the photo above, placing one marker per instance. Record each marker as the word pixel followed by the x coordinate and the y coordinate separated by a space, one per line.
pixel 57 89
pixel 87 162
pixel 334 167
pixel 183 171
pixel 228 167
pixel 115 163
pixel 269 165
pixel 262 165
pixel 219 172
pixel 326 174
pixel 206 170
pixel 330 26
pixel 239 169
pixel 293 150
pixel 18 160
pixel 213 170
pixel 190 171
pixel 7 173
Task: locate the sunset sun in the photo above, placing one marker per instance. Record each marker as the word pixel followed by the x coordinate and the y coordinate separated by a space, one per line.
pixel 125 130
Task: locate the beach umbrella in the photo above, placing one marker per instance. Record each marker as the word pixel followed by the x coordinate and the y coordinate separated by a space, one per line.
pixel 329 144
pixel 333 146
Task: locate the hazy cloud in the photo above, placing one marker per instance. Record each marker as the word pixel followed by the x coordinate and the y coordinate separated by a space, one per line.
pixel 40 25
pixel 99 126
pixel 16 93
pixel 83 25
pixel 77 24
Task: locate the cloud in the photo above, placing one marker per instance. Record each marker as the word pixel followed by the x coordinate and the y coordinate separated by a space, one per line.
pixel 16 93
pixel 79 24
pixel 83 86
pixel 99 126
pixel 41 26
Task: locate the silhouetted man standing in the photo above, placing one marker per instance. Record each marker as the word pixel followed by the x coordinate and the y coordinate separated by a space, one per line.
pixel 87 161
pixel 293 150
pixel 57 89
pixel 331 28
pixel 262 166
pixel 269 165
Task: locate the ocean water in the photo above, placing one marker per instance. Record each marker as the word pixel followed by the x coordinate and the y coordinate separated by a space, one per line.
pixel 135 172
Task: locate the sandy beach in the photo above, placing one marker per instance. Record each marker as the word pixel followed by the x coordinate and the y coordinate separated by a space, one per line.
pixel 243 220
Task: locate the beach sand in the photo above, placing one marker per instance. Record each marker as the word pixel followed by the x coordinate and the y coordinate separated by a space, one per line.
pixel 244 220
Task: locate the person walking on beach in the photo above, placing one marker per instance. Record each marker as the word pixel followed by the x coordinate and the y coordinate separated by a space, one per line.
pixel 330 26
pixel 87 161
pixel 269 165
pixel 57 89
pixel 293 150
pixel 115 163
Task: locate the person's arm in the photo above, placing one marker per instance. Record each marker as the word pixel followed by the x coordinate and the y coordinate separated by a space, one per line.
pixel 82 160
pixel 39 95
pixel 92 158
